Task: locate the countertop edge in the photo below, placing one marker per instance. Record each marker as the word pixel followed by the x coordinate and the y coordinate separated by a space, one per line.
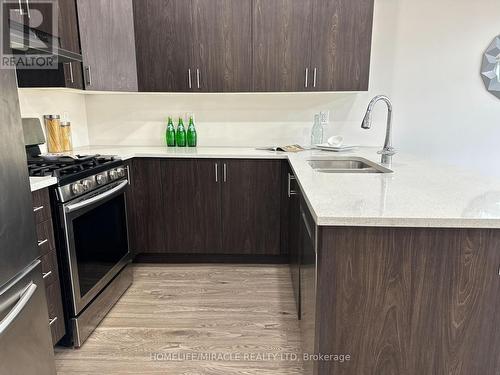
pixel 38 183
pixel 321 221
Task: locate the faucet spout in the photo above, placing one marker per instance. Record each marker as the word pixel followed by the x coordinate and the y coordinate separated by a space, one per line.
pixel 387 151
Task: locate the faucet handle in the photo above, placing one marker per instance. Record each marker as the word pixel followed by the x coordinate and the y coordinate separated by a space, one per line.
pixel 389 151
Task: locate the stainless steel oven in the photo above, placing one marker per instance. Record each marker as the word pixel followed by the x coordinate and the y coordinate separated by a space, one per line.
pixel 95 227
pixel 95 250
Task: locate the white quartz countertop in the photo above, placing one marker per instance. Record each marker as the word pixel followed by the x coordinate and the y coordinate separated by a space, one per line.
pixel 419 193
pixel 37 183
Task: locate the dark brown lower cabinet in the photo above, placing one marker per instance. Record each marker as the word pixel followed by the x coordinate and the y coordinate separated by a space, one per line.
pixel 251 206
pixel 307 283
pixel 49 263
pixel 191 204
pixel 145 209
pixel 409 301
pixel 205 206
pixel 293 223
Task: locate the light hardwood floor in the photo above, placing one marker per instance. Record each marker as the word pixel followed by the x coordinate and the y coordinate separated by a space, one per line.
pixel 186 309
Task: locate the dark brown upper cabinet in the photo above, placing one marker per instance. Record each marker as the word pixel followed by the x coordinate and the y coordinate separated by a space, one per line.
pixel 164 43
pixel 193 45
pixel 282 45
pixel 222 48
pixel 69 73
pixel 341 44
pixel 108 45
pixel 312 45
pixel 69 39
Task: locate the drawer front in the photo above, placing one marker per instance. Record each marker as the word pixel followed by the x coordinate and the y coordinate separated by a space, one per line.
pixel 49 267
pixel 45 237
pixel 56 315
pixel 41 205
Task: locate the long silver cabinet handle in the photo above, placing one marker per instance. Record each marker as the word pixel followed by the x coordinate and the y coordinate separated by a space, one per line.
pixel 190 82
pixel 46 274
pixel 307 78
pixel 43 242
pixel 97 198
pixel 21 11
pixel 198 77
pixel 71 77
pixel 225 172
pixel 290 191
pixel 36 209
pixel 216 172
pixel 89 75
pixel 28 8
pixel 315 74
pixel 309 231
pixel 52 321
pixel 18 308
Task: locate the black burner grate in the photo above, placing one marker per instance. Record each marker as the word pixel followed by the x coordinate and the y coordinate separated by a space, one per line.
pixel 67 167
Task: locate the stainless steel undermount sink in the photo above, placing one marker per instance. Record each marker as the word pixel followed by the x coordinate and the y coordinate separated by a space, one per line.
pixel 347 165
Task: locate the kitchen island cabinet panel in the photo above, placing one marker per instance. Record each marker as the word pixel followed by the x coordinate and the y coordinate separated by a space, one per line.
pixel 409 300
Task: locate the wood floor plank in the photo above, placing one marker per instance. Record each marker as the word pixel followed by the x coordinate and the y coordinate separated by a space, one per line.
pixel 245 312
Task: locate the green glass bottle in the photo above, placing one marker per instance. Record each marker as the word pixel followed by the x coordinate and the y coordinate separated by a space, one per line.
pixel 180 134
pixel 191 133
pixel 170 134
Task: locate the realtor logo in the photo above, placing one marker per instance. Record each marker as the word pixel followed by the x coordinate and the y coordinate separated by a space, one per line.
pixel 29 34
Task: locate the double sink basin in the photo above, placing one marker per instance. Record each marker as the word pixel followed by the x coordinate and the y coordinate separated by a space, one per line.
pixel 347 165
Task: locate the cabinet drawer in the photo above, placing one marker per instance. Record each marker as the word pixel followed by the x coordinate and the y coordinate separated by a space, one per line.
pixel 54 305
pixel 41 205
pixel 49 267
pixel 45 237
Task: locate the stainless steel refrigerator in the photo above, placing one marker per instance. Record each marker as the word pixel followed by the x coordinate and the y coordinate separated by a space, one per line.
pixel 25 341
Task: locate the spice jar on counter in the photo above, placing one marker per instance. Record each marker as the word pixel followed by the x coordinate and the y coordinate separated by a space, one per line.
pixel 67 142
pixel 53 133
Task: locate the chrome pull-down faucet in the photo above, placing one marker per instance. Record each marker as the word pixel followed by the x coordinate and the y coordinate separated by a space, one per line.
pixel 388 150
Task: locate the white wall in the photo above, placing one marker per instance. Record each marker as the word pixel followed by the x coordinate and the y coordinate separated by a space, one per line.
pixel 426 56
pixel 37 103
pixel 221 119
pixel 443 109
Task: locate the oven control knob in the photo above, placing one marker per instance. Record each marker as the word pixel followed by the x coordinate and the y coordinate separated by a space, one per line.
pixel 101 179
pixel 77 188
pixel 121 172
pixel 87 185
pixel 113 174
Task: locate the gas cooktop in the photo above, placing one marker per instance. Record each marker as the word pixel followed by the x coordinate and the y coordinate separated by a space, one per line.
pixel 68 169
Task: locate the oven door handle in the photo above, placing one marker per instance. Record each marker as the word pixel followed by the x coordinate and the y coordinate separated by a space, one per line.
pixel 77 206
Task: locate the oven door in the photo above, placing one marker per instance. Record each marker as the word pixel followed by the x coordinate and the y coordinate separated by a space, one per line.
pixel 97 247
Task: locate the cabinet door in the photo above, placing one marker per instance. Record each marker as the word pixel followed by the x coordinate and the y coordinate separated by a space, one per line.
pixel 341 44
pixel 70 40
pixel 108 46
pixel 307 233
pixel 164 44
pixel 191 191
pixel 251 207
pixel 294 241
pixel 222 48
pixel 282 45
pixel 145 207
